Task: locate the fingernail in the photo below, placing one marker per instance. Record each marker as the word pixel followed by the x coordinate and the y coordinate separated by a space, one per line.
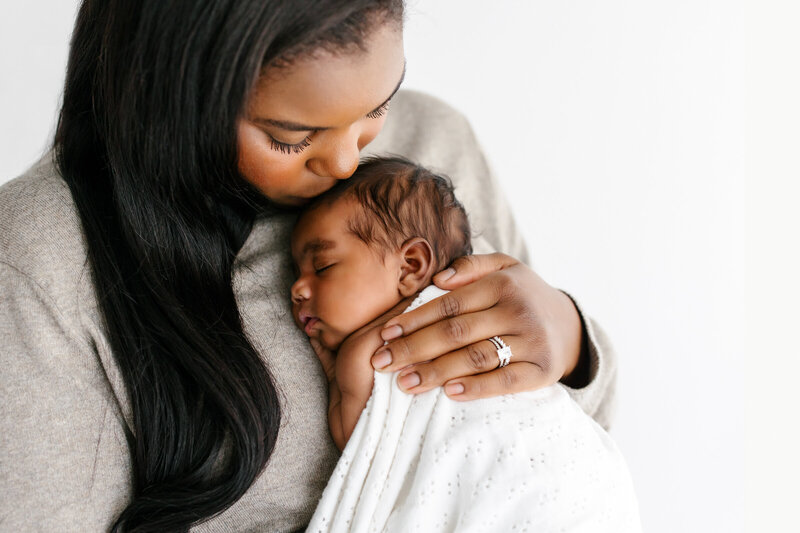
pixel 382 359
pixel 452 389
pixel 409 380
pixel 444 275
pixel 391 332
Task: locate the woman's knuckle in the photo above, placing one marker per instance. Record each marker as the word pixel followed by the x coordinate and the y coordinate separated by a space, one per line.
pixel 506 284
pixel 400 351
pixel 456 330
pixel 524 314
pixel 449 306
pixel 478 360
pixel 545 361
pixel 509 378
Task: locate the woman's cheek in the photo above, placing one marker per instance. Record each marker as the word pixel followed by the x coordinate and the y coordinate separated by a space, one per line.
pixel 252 152
pixel 370 131
pixel 268 170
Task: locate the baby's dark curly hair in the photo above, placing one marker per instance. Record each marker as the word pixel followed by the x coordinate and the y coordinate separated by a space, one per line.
pixel 401 200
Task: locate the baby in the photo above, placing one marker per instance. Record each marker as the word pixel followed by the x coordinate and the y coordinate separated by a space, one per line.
pixel 359 250
pixel 530 461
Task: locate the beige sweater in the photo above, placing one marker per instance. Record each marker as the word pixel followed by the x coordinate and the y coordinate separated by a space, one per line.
pixel 64 414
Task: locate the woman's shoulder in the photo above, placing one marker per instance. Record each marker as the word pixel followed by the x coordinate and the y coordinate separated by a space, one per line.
pixel 40 231
pixel 421 107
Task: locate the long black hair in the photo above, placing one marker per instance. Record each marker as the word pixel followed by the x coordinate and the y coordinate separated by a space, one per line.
pixel 146 141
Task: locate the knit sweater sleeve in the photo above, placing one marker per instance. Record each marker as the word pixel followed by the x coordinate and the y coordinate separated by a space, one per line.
pixel 434 134
pixel 64 455
pixel 65 461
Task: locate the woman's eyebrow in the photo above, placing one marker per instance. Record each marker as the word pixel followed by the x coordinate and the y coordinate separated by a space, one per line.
pixel 294 126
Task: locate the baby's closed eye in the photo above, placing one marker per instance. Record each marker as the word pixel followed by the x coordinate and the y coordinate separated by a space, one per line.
pixel 321 269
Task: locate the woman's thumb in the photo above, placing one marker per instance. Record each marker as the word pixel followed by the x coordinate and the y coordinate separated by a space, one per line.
pixel 469 268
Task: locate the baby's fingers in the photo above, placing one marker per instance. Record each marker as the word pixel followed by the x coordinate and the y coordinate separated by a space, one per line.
pixel 516 377
pixel 326 357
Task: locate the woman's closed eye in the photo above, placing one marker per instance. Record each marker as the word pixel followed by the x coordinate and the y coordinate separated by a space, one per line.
pixel 296 148
pixel 379 112
pixel 287 148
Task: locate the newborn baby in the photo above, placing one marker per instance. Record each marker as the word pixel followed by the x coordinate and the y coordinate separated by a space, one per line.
pixel 531 461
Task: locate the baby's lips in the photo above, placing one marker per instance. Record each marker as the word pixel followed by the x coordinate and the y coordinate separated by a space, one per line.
pixel 304 317
pixel 309 325
pixel 300 317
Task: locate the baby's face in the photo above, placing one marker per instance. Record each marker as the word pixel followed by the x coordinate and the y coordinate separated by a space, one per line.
pixel 342 283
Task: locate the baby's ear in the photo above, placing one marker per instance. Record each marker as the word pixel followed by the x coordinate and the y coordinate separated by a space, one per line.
pixel 416 268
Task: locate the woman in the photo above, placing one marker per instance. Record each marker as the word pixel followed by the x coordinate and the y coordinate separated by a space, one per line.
pixel 153 377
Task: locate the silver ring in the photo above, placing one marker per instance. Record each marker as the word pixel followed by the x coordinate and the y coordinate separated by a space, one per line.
pixel 503 350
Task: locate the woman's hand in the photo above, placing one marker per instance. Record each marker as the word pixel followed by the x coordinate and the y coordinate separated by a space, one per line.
pixel 445 342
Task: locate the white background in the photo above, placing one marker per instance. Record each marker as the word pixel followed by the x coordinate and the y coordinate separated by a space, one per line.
pixel 624 135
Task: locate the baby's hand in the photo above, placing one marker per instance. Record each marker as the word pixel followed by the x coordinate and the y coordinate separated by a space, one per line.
pixel 326 357
pixel 353 369
pixel 350 374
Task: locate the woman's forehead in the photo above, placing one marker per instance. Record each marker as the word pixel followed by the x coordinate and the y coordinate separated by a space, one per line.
pixel 326 89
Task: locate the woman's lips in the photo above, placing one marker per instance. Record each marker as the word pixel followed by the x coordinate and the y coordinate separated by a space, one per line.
pixel 312 321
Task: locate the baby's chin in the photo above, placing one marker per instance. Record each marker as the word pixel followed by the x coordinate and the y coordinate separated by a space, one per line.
pixel 331 340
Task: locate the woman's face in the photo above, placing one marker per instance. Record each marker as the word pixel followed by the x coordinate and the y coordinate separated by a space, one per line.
pixel 306 123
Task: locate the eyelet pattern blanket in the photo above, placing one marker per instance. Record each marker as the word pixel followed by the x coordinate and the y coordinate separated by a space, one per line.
pixel 530 462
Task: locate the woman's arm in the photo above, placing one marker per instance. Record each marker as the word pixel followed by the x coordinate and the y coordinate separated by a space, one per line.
pixel 65 459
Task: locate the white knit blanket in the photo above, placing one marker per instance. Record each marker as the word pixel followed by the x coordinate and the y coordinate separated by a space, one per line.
pixel 524 462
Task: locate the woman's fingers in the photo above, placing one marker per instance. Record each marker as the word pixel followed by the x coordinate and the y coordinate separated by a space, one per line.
pixel 477 358
pixel 441 337
pixel 482 294
pixel 444 342
pixel 470 268
pixel 514 378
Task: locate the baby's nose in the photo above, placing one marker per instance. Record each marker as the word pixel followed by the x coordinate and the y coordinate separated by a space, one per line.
pixel 300 291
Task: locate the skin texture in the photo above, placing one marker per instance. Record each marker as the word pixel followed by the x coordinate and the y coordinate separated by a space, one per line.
pixel 339 97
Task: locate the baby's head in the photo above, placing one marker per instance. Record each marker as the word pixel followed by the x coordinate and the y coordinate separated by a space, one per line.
pixel 369 242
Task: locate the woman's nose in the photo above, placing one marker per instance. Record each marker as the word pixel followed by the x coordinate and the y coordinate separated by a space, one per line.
pixel 340 159
pixel 300 291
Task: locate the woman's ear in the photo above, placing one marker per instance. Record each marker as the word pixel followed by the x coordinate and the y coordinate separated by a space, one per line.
pixel 416 267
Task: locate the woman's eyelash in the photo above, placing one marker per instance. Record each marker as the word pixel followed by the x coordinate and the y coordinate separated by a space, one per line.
pixel 285 148
pixel 378 112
